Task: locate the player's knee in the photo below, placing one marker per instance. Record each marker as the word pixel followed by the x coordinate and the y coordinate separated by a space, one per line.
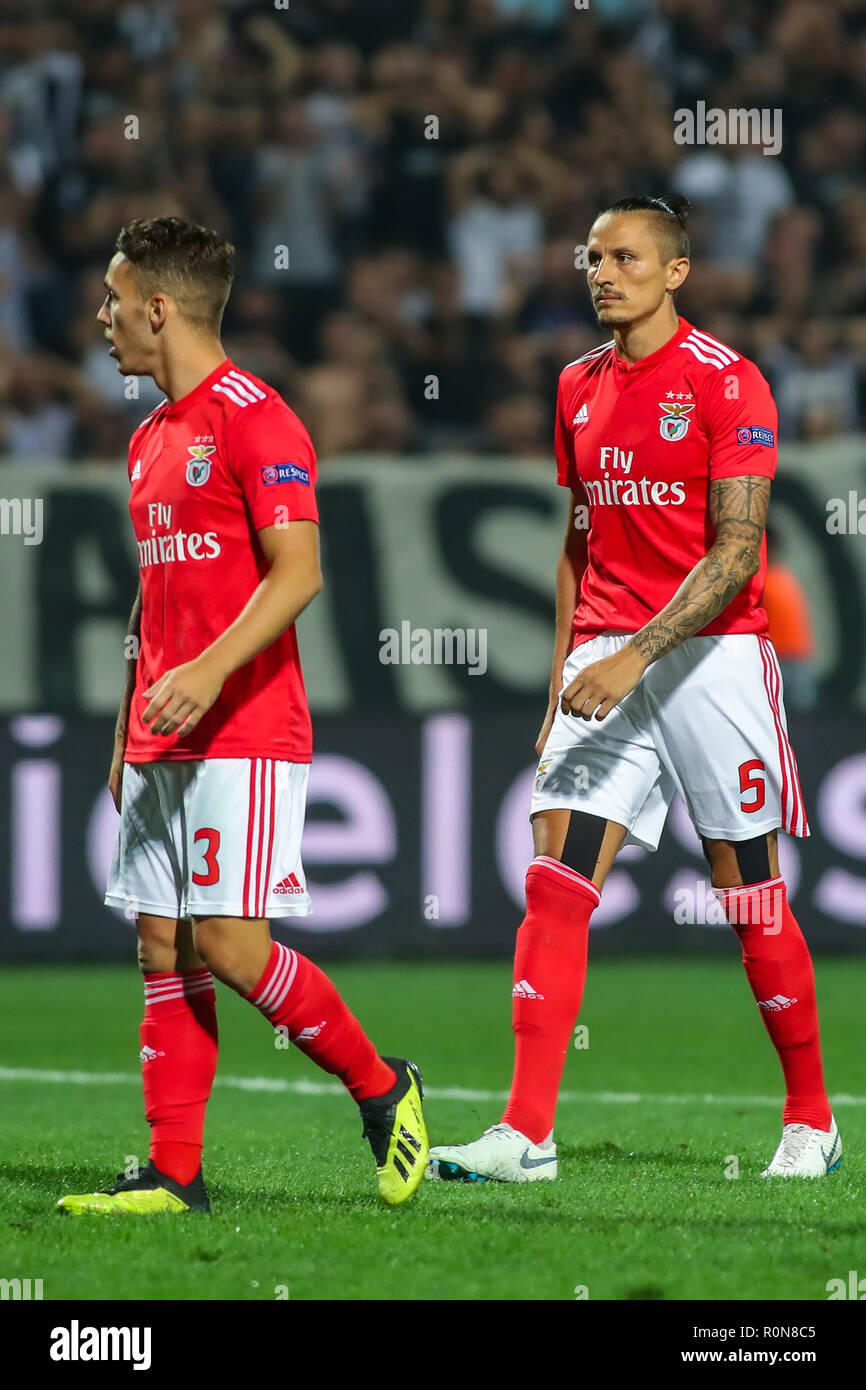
pixel 223 954
pixel 218 955
pixel 157 948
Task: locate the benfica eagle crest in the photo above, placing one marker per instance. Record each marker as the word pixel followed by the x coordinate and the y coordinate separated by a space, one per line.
pixel 674 424
pixel 198 466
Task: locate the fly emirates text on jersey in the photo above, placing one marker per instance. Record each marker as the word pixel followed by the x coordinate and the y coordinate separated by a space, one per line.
pixel 629 492
pixel 179 545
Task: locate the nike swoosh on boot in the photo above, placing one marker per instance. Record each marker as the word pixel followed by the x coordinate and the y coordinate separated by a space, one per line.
pixel 535 1162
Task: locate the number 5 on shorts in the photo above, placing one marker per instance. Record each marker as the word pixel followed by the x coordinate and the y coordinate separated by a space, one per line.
pixel 752 775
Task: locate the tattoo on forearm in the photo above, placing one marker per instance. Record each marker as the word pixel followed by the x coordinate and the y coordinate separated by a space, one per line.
pixel 738 512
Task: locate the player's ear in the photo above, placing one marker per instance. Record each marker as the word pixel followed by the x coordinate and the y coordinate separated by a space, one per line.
pixel 677 272
pixel 157 311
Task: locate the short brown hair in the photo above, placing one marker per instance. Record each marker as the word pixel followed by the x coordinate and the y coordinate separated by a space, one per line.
pixel 668 217
pixel 193 264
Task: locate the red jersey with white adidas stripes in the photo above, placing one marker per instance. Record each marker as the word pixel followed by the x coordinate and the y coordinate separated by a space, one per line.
pixel 207 473
pixel 644 441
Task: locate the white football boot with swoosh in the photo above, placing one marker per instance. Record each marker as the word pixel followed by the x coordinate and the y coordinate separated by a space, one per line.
pixel 502 1154
pixel 806 1152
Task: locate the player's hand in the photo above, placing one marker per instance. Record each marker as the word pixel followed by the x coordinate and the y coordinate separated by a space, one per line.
pixel 600 686
pixel 180 698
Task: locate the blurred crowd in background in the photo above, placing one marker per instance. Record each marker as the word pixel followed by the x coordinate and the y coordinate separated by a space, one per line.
pixel 430 167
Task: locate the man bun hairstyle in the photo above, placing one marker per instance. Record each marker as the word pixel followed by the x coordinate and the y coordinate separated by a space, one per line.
pixel 668 215
pixel 193 264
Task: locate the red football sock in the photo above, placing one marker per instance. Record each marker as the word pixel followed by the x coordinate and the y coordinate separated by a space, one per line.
pixel 295 994
pixel 779 970
pixel 549 976
pixel 178 1062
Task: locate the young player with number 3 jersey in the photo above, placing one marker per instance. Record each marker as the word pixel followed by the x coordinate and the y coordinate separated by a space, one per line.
pixel 214 742
pixel 663 680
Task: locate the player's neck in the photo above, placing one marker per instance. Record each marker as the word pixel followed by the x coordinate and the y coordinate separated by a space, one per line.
pixel 184 370
pixel 640 339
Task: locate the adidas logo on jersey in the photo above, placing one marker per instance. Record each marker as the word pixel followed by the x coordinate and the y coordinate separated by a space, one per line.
pixel 777 1002
pixel 136 471
pixel 523 990
pixel 290 884
pixel 582 415
pixel 147 1054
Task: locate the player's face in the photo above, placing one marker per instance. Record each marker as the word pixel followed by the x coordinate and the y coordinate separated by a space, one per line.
pixel 123 315
pixel 626 275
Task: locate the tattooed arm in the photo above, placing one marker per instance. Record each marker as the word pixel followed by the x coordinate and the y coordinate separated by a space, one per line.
pixel 738 511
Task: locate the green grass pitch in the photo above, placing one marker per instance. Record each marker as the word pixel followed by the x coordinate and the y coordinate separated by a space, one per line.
pixel 678 1081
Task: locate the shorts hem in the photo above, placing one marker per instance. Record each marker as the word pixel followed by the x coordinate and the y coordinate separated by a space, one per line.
pixel 200 910
pixel 280 913
pixel 604 813
pixel 138 904
pixel 739 835
pixel 236 910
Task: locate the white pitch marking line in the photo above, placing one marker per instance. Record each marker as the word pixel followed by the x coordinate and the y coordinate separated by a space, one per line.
pixel 332 1088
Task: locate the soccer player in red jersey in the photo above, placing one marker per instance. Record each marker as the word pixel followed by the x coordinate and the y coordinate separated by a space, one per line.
pixel 663 680
pixel 213 741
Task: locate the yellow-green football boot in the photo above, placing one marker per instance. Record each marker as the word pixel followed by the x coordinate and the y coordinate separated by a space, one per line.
pixel 152 1192
pixel 394 1126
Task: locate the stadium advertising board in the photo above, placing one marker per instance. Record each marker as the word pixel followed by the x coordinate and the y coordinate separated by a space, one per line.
pixel 416 843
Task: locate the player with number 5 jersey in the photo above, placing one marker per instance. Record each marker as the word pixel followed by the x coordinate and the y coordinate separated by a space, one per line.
pixel 663 680
pixel 213 742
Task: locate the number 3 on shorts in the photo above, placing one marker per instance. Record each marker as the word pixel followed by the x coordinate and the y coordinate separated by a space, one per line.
pixel 213 843
pixel 752 775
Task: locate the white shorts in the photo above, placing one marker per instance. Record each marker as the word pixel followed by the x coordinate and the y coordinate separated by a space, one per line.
pixel 707 720
pixel 211 837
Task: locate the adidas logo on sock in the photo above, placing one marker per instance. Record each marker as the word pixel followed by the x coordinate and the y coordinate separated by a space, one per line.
pixel 147 1054
pixel 523 990
pixel 777 1002
pixel 306 1034
pixel 290 884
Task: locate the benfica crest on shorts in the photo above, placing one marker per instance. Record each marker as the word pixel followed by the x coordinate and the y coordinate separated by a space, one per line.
pixel 198 467
pixel 674 424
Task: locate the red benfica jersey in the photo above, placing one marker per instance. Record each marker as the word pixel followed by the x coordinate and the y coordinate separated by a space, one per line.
pixel 207 473
pixel 645 441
